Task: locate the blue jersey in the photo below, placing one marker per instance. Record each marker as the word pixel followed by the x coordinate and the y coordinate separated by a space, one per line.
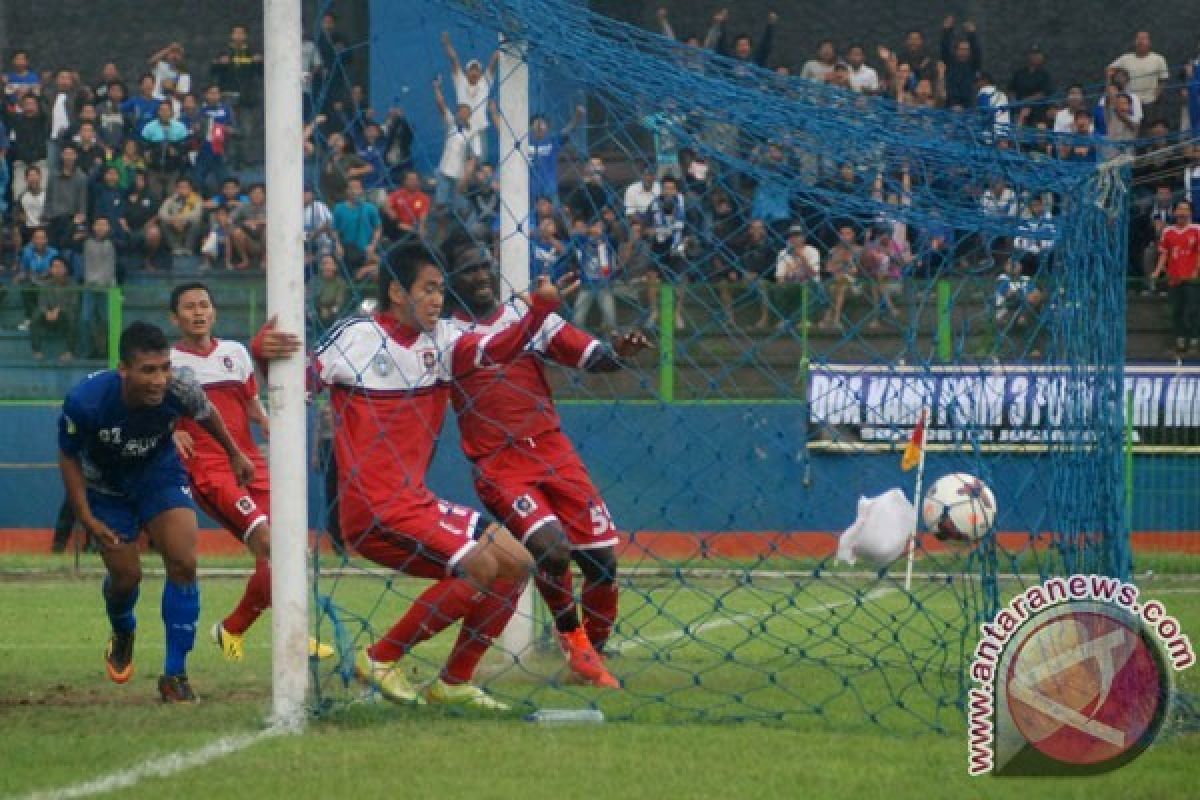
pixel 118 446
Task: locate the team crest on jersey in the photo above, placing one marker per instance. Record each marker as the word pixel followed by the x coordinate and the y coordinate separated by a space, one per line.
pixel 227 362
pixel 524 505
pixel 383 364
pixel 429 359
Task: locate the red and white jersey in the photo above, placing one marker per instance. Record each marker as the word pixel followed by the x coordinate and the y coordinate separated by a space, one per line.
pixel 499 404
pixel 1182 246
pixel 227 374
pixel 391 388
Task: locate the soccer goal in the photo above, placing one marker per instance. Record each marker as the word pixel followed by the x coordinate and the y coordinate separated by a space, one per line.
pixel 814 270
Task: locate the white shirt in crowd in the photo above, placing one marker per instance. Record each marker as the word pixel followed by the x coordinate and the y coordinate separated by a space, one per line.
pixel 1145 72
pixel 1037 235
pixel 793 267
pixel 163 71
pixel 474 96
pixel 461 144
pixel 864 79
pixel 638 199
pixel 817 71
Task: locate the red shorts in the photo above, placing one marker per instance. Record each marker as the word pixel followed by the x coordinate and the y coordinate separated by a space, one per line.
pixel 539 481
pixel 426 538
pixel 238 509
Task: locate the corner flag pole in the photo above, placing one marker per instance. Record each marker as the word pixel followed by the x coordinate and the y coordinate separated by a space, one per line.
pixel 918 445
pixel 283 83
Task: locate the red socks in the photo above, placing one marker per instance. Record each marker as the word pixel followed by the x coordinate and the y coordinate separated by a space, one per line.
pixel 255 600
pixel 559 595
pixel 485 621
pixel 434 610
pixel 599 601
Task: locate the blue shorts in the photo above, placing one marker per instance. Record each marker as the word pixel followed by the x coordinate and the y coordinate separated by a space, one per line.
pixel 163 487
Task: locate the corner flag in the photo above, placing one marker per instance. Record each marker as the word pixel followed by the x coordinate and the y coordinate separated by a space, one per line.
pixel 912 453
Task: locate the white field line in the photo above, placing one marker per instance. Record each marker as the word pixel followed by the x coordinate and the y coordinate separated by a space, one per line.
pixel 737 619
pixel 160 767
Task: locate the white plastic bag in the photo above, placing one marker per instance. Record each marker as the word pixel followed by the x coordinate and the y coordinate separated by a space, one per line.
pixel 880 533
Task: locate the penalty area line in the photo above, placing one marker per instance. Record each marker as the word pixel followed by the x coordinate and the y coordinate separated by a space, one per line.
pixel 161 766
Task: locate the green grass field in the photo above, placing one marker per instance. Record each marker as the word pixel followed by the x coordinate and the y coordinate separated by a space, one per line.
pixel 768 687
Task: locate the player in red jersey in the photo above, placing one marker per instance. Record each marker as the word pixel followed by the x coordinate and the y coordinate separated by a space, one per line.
pixel 1179 259
pixel 389 376
pixel 526 471
pixel 226 372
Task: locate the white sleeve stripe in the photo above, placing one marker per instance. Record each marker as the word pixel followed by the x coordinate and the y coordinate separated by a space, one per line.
pixel 480 348
pixel 587 354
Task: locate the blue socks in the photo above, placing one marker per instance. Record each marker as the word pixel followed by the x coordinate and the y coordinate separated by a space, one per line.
pixel 180 612
pixel 120 608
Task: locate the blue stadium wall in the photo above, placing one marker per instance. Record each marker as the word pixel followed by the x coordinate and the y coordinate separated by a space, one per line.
pixel 680 468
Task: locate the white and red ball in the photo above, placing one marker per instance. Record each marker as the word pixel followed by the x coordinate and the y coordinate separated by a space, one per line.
pixel 959 507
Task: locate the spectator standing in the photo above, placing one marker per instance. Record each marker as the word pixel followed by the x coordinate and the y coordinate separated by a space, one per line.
pixel 377 181
pixel 57 311
pixel 238 71
pixel 167 65
pixel 318 228
pixel 548 253
pixel 992 104
pixel 594 193
pixel 1064 118
pixel 543 147
pixel 20 80
pixel 1147 70
pixel 33 272
pixel 1179 260
pixel 407 209
pixel 91 154
pixel 218 127
pixel 357 227
pixel 110 73
pixel 459 153
pixel 31 205
pixel 333 294
pixel 166 139
pixel 1031 83
pixel 67 203
pixel 640 195
pixel 744 49
pixel 141 109
pixel 398 137
pixel 145 237
pixel 472 87
pixel 668 220
pixel 863 77
pixel 842 269
pixel 111 118
pixel 597 271
pixel 29 130
pixel 819 69
pixel 964 60
pixel 99 275
pixel 1120 127
pixel 63 103
pixel 340 165
pixel 920 64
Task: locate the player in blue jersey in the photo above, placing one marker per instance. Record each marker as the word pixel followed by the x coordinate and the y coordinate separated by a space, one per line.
pixel 123 475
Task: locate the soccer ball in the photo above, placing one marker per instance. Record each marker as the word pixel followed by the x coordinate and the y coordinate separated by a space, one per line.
pixel 959 508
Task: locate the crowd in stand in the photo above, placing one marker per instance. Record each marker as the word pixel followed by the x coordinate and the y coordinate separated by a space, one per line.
pixel 100 179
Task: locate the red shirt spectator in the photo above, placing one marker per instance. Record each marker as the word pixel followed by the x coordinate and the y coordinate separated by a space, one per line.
pixel 1180 248
pixel 408 206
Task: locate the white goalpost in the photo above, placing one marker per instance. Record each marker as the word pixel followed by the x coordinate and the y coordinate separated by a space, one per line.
pixel 283 96
pixel 512 74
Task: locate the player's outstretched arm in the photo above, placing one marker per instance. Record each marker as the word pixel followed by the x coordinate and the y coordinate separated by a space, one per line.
pixel 76 486
pixel 615 357
pixel 473 351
